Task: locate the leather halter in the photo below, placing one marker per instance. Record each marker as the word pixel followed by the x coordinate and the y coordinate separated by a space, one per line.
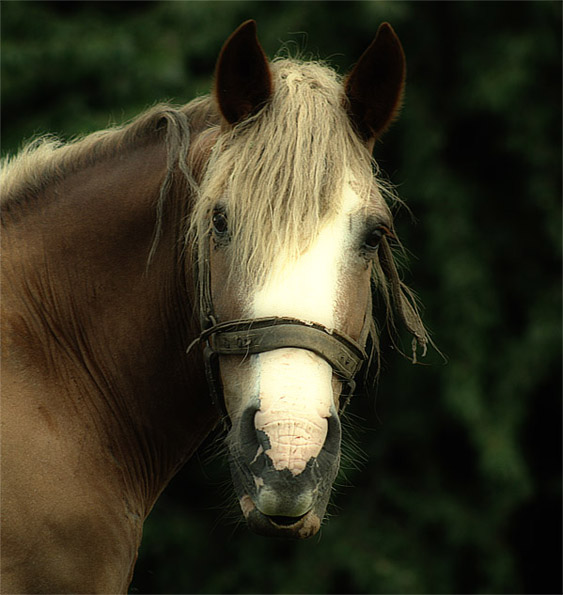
pixel 250 336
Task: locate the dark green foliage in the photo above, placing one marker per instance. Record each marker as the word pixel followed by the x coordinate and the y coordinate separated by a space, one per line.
pixel 461 487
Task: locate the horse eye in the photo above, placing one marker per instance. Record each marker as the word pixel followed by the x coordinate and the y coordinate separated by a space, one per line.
pixel 374 237
pixel 220 224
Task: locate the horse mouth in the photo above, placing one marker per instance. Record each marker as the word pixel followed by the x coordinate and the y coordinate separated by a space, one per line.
pixel 291 527
pixel 286 521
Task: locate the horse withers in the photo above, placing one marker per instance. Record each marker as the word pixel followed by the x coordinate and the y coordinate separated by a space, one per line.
pixel 212 260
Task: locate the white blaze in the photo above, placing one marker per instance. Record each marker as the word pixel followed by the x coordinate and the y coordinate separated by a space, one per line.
pixel 295 384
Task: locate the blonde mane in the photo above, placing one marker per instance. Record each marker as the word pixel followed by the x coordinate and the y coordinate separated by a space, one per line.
pixel 47 160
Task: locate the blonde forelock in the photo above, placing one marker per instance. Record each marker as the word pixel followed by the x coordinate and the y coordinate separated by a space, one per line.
pixel 281 173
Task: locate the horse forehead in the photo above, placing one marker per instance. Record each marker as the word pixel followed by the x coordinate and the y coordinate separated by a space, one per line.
pixel 309 287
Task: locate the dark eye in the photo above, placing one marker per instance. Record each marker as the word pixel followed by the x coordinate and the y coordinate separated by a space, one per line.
pixel 220 224
pixel 374 237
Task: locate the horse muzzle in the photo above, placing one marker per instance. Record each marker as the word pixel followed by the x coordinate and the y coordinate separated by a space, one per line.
pixel 282 502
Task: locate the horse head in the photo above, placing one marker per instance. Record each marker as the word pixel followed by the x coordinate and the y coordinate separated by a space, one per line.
pixel 290 223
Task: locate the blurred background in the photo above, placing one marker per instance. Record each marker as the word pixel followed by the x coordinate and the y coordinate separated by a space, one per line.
pixel 452 482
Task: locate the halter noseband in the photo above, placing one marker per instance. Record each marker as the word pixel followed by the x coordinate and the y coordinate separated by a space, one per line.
pixel 249 336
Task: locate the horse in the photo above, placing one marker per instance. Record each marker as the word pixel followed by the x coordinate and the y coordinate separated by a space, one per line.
pixel 209 262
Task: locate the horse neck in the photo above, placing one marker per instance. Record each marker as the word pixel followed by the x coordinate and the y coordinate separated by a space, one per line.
pixel 103 333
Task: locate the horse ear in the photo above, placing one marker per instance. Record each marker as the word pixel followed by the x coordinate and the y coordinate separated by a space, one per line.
pixel 243 82
pixel 375 86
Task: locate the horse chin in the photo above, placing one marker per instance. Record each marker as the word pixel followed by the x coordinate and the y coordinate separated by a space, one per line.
pixel 300 527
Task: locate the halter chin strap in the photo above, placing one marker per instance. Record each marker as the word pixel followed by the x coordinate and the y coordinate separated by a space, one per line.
pixel 253 336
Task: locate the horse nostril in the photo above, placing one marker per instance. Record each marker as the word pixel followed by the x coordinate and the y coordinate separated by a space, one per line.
pixel 334 434
pixel 249 439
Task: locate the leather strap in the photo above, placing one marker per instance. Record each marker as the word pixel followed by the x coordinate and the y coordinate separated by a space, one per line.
pixel 246 337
